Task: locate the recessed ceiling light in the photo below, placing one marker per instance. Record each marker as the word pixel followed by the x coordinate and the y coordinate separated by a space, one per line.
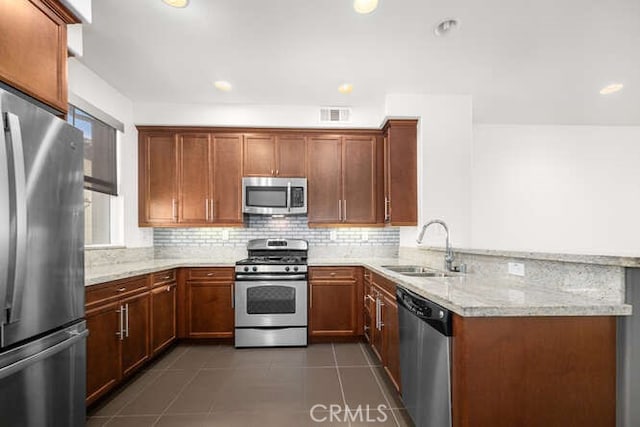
pixel 445 27
pixel 345 88
pixel 222 85
pixel 177 3
pixel 612 88
pixel 365 6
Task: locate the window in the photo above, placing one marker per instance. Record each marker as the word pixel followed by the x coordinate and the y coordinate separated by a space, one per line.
pixel 100 175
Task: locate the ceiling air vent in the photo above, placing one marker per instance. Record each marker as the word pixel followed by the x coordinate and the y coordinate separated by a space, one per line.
pixel 335 115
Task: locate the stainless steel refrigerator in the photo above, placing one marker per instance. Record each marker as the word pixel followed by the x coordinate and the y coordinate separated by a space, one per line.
pixel 42 328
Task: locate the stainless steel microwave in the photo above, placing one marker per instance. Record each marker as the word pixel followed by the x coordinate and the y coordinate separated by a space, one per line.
pixel 274 196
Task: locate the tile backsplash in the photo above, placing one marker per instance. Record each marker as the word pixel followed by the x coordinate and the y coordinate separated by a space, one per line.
pixel 262 227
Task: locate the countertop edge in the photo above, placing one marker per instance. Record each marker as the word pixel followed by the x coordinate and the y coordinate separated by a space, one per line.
pixel 595 309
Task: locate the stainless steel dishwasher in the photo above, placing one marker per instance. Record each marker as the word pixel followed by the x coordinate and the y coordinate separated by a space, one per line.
pixel 425 347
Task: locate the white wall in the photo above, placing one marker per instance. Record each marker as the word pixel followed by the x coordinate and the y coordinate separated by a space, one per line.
pixel 248 115
pixel 567 189
pixel 85 84
pixel 444 163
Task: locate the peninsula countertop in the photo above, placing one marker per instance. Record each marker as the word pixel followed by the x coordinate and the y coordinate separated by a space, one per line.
pixel 468 295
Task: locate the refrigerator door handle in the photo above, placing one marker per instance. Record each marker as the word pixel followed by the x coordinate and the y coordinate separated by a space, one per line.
pixel 5 215
pixel 19 277
pixel 28 361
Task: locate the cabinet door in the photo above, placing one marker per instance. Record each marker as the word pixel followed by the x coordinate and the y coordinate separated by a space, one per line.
pixel 391 339
pixel 226 176
pixel 401 174
pixel 325 182
pixel 103 350
pixel 360 184
pixel 332 308
pixel 210 312
pixel 291 156
pixel 33 42
pixel 163 316
pixel 259 155
pixel 369 307
pixel 158 165
pixel 135 346
pixel 193 155
pixel 377 341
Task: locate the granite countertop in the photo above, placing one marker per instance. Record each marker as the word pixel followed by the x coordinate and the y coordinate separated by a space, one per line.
pixel 470 295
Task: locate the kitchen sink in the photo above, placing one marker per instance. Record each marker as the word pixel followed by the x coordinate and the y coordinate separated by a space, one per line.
pixel 416 271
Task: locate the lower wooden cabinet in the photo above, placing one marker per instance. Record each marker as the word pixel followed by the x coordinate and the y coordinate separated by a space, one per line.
pixel 210 303
pixel 163 317
pixel 334 301
pixel 117 315
pixel 103 350
pixel 135 343
pixel 384 333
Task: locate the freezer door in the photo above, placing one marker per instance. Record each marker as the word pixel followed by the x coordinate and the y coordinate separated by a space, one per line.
pixel 42 383
pixel 44 287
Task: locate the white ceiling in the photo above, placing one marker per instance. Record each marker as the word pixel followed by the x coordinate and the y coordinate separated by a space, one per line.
pixel 523 61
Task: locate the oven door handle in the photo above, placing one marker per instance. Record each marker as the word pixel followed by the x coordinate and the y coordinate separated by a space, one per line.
pixel 263 277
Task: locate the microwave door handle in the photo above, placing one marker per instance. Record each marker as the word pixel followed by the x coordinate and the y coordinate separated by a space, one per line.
pixel 20 272
pixel 289 196
pixel 5 215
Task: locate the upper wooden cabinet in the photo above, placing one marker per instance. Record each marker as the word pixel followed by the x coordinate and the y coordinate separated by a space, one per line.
pixel 274 155
pixel 189 179
pixel 33 46
pixel 400 172
pixel 343 181
pixel 192 177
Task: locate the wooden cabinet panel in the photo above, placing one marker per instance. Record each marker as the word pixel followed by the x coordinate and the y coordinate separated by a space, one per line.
pixel 391 344
pixel 401 193
pixel 227 179
pixel 335 295
pixel 291 156
pixel 360 184
pixel 163 316
pixel 158 198
pixel 135 346
pixel 325 179
pixel 103 350
pixel 534 371
pixel 109 292
pixel 333 273
pixel 259 155
pixel 210 312
pixel 193 155
pixel 207 274
pixel 33 46
pixel 163 277
pixel 332 308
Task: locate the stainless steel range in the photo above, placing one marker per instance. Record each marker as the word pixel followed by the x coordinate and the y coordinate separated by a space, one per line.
pixel 271 294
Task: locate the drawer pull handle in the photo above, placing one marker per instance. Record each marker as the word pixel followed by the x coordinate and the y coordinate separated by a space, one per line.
pixel 121 290
pixel 332 274
pixel 166 277
pixel 209 274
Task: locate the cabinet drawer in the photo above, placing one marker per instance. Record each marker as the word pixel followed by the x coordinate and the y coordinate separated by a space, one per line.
pixel 385 284
pixel 333 273
pixel 163 277
pixel 214 273
pixel 100 294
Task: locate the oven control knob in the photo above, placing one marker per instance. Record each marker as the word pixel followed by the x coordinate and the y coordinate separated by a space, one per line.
pixel 254 268
pixel 295 268
pixel 286 269
pixel 246 269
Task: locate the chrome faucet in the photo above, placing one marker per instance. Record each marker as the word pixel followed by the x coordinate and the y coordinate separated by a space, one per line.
pixel 448 256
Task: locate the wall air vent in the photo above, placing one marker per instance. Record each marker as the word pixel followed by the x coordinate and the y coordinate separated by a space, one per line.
pixel 335 115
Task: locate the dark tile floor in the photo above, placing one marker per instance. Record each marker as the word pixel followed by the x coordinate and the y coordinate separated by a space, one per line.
pixel 215 385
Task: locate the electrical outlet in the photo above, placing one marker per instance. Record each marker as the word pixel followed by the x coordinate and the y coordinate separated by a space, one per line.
pixel 333 235
pixel 365 236
pixel 225 234
pixel 516 268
